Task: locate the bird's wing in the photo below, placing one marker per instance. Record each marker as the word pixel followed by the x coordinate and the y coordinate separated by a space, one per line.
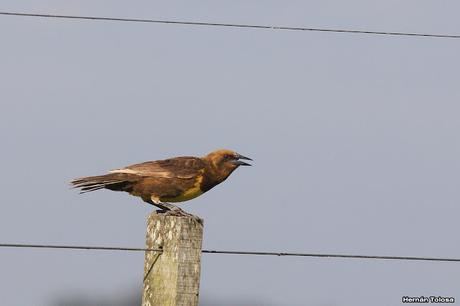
pixel 178 167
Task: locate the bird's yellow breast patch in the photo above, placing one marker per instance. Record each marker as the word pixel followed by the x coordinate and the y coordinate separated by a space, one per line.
pixel 190 193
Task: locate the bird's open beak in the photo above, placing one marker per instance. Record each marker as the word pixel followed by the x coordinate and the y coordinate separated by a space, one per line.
pixel 242 163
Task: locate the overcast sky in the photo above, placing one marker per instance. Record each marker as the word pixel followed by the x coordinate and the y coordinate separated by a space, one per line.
pixel 355 141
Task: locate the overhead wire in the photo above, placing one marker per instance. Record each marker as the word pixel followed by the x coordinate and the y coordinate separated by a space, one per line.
pixel 259 253
pixel 228 25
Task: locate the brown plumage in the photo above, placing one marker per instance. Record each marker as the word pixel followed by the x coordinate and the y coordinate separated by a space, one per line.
pixel 171 180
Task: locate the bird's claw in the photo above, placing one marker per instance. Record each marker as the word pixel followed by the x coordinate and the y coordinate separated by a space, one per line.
pixel 181 213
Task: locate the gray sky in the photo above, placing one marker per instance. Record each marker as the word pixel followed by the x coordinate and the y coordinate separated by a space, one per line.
pixel 354 137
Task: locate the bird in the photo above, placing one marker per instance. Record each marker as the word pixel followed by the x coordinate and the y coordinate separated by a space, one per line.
pixel 172 180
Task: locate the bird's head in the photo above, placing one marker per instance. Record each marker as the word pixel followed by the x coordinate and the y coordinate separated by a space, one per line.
pixel 226 161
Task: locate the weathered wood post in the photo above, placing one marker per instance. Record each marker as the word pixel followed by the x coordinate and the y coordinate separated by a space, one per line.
pixel 172 277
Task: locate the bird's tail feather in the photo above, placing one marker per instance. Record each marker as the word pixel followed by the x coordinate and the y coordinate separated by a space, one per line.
pixel 112 181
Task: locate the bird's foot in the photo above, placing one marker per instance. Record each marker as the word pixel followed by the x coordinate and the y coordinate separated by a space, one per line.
pixel 169 209
pixel 181 213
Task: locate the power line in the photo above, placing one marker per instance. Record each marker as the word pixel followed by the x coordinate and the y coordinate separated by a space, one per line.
pixel 74 247
pixel 334 255
pixel 232 25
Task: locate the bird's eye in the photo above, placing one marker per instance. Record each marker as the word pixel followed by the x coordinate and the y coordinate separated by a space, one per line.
pixel 227 157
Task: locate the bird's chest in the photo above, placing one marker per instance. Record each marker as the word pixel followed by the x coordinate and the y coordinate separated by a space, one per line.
pixel 187 193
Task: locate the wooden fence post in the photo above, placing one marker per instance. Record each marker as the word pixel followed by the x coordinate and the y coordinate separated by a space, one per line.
pixel 172 277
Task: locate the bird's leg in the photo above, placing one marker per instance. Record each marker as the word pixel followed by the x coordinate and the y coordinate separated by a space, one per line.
pixel 162 209
pixel 172 210
pixel 168 206
pixel 165 207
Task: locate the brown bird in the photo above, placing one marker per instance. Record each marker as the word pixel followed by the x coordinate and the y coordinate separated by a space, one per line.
pixel 175 179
